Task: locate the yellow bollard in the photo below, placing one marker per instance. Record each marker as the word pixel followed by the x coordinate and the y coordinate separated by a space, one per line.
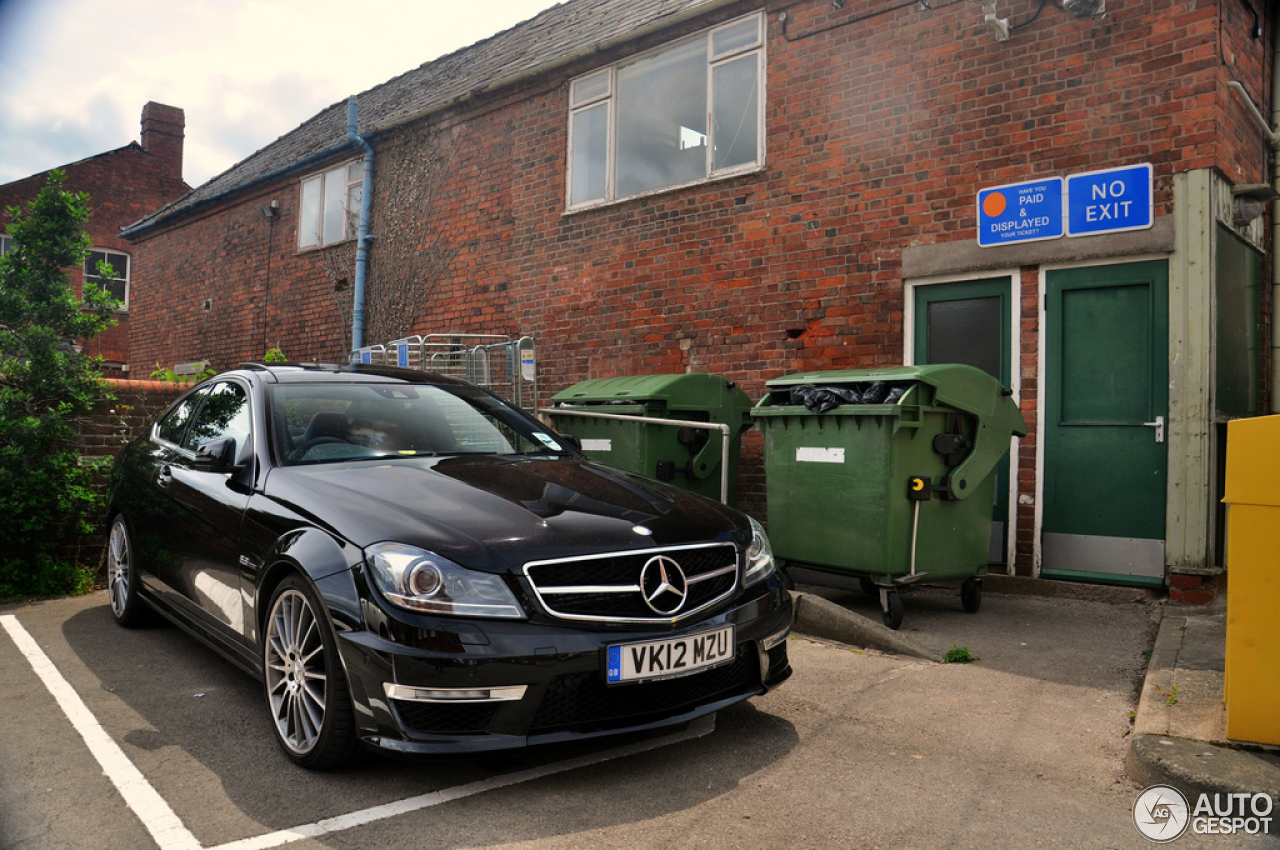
pixel 1253 588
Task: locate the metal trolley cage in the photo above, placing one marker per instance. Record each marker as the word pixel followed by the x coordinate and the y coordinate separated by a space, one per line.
pixel 501 364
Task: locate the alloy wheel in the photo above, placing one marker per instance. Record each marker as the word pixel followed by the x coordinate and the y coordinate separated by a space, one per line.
pixel 119 565
pixel 296 671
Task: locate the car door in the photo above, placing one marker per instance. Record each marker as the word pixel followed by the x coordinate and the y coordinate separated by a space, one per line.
pixel 206 506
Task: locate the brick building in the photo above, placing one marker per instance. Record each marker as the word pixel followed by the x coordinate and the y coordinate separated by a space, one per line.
pixel 123 185
pixel 758 189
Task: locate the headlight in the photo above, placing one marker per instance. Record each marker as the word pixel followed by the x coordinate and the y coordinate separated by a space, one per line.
pixel 418 580
pixel 759 556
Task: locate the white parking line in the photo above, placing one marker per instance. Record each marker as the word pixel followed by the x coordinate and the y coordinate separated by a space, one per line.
pixel 165 827
pixel 696 729
pixel 171 834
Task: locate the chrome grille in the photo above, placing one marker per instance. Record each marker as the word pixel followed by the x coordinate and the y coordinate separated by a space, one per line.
pixel 606 588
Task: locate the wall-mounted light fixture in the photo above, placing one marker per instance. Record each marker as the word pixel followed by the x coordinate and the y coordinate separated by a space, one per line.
pixel 272 210
pixel 1076 8
pixel 1085 8
pixel 1249 201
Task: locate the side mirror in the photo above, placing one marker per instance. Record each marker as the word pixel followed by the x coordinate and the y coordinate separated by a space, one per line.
pixel 572 441
pixel 216 456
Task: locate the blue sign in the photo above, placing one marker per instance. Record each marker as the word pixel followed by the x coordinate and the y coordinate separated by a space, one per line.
pixel 1109 201
pixel 1020 212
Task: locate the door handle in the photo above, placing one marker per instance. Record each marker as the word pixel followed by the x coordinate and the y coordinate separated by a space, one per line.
pixel 164 476
pixel 1159 426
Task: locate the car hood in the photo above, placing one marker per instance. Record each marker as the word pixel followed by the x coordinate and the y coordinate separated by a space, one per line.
pixel 494 513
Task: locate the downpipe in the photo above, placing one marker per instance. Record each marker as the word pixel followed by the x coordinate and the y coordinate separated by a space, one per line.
pixel 363 237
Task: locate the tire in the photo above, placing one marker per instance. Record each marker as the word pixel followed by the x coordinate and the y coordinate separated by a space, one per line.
pixel 305 687
pixel 971 595
pixel 893 612
pixel 123 580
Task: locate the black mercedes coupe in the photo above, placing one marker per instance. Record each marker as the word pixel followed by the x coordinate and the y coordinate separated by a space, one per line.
pixel 410 563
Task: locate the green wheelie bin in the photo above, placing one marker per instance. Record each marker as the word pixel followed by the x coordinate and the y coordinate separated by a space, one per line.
pixel 686 429
pixel 885 474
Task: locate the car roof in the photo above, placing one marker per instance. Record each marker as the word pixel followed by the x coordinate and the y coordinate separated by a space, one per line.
pixel 349 373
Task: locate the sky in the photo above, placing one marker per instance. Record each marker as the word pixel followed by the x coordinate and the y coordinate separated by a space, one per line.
pixel 75 74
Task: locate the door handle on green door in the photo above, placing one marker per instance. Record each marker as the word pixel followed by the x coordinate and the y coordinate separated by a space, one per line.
pixel 1159 426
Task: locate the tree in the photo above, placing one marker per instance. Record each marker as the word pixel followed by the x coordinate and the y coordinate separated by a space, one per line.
pixel 47 496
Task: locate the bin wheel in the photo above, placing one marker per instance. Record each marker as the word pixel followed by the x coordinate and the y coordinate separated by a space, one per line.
pixel 892 604
pixel 971 595
pixel 868 586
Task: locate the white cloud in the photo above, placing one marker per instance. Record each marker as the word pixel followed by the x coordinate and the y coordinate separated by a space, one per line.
pixel 74 74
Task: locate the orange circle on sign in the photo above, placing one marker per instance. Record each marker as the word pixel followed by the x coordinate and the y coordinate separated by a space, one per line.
pixel 993 204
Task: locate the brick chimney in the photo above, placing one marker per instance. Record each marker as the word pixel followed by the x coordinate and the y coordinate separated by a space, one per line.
pixel 162 133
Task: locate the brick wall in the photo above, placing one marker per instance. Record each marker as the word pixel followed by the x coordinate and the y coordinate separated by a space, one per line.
pixel 127 414
pixel 881 128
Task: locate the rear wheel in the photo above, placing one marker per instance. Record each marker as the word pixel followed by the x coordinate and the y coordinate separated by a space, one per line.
pixel 971 595
pixel 122 576
pixel 305 687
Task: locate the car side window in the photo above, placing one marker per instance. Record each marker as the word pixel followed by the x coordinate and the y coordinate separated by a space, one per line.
pixel 225 413
pixel 174 425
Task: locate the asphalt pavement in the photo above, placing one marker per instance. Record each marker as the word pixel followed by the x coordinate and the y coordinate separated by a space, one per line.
pixel 1179 735
pixel 872 743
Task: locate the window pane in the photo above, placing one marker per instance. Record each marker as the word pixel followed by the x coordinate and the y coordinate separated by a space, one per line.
pixel 736 113
pixel 661 100
pixel 309 214
pixel 966 331
pixel 354 195
pixel 590 137
pixel 737 36
pixel 335 216
pixel 225 413
pixel 590 88
pixel 172 426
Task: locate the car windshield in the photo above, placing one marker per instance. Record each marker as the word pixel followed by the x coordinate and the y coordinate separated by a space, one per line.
pixel 332 422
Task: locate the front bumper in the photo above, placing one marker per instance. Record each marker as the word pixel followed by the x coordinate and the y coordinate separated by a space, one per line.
pixel 446 687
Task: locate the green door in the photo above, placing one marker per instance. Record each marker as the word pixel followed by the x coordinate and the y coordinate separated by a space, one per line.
pixel 1106 407
pixel 969 322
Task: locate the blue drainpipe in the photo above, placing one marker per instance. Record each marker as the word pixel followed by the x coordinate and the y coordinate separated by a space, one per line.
pixel 363 240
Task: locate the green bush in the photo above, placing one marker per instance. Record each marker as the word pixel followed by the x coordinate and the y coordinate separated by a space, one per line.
pixel 48 501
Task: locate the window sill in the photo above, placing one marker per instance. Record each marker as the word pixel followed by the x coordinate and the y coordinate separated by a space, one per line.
pixel 311 249
pixel 710 181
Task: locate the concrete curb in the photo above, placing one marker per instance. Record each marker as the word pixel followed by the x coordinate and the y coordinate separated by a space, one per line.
pixel 1199 767
pixel 822 618
pixel 1179 733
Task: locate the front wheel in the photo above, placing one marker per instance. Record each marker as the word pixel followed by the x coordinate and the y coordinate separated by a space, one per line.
pixel 305 687
pixel 123 579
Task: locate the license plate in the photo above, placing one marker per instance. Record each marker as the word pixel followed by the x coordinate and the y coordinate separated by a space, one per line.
pixel 665 659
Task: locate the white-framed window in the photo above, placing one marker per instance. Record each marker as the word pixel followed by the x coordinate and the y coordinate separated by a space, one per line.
pixel 685 113
pixel 329 200
pixel 118 283
pixel 6 244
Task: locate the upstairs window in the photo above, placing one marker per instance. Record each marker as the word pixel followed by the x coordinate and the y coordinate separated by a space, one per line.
pixel 6 244
pixel 117 283
pixel 330 201
pixel 686 113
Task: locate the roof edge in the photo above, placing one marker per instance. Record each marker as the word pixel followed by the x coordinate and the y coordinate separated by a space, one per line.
pixel 554 64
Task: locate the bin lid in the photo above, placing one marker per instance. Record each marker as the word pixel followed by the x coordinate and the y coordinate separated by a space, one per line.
pixel 718 397
pixel 1253 462
pixel 956 385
